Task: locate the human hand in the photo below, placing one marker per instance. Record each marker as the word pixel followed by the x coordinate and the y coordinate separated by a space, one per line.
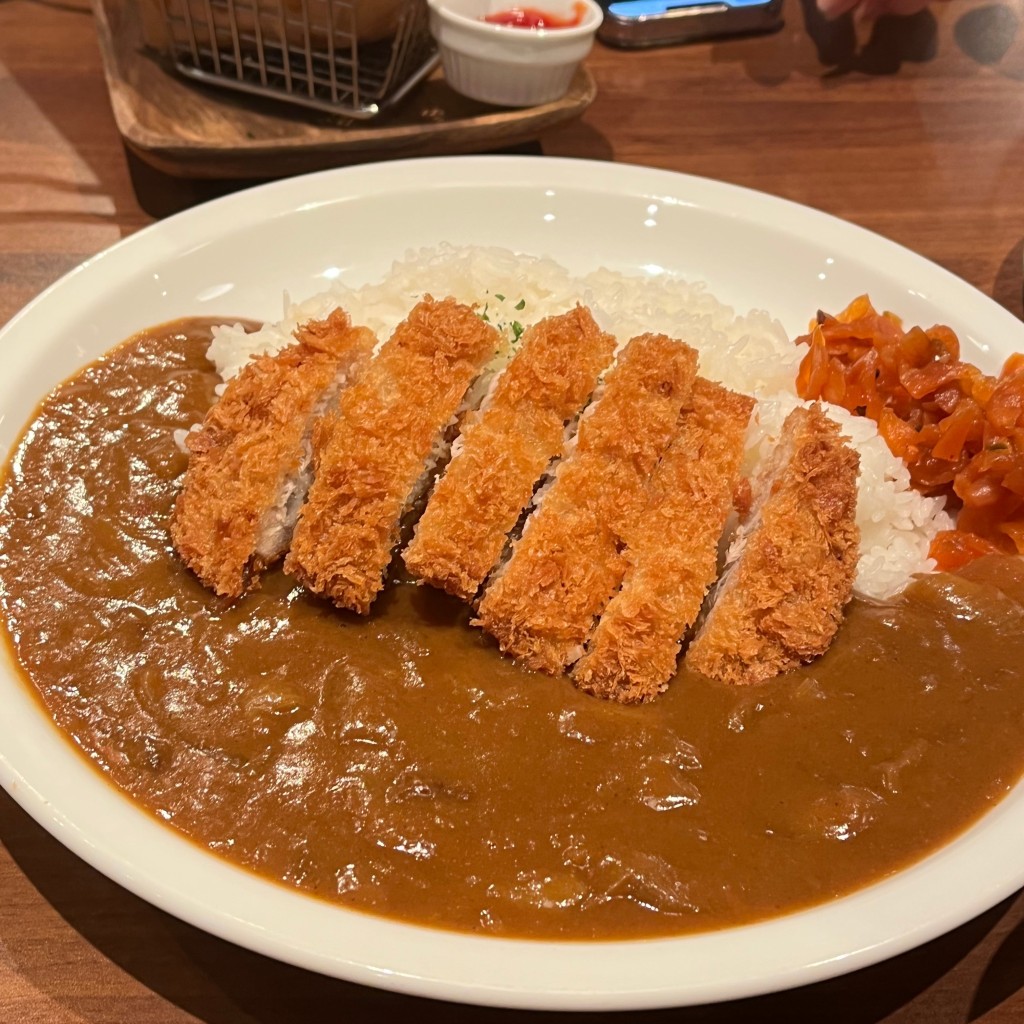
pixel 869 10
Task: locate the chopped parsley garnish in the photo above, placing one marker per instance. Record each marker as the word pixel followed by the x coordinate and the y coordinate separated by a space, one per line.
pixel 514 326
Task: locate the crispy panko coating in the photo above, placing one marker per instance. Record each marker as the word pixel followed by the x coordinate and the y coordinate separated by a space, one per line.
pixel 781 602
pixel 672 552
pixel 570 559
pixel 505 450
pixel 370 456
pixel 250 448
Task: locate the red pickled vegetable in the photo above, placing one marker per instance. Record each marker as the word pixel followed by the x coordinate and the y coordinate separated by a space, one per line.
pixel 959 432
pixel 953 549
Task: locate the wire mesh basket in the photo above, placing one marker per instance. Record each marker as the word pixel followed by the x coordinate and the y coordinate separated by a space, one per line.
pixel 347 57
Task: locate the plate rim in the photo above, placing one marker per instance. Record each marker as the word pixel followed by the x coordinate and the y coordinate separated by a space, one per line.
pixel 67 830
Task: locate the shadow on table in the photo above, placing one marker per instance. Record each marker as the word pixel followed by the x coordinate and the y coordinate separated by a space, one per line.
pixel 222 984
pixel 1008 288
pixel 161 195
pixel 987 34
pixel 1004 975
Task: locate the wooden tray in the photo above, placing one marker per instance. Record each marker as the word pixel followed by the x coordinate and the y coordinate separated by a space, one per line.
pixel 183 128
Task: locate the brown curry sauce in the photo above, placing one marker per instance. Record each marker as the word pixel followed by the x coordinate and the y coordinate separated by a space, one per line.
pixel 399 764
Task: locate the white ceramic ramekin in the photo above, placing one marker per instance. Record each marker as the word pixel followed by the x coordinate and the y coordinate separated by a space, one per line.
pixel 509 66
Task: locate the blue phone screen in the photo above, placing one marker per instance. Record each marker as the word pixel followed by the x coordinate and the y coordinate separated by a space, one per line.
pixel 651 8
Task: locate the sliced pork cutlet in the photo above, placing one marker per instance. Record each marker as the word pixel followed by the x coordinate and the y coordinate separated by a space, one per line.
pixel 373 456
pixel 541 606
pixel 504 451
pixel 672 552
pixel 780 603
pixel 249 463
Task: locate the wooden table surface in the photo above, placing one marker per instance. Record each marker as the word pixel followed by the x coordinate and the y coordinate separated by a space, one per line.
pixel 915 130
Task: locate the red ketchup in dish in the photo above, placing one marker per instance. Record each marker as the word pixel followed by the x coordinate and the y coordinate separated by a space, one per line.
pixel 533 17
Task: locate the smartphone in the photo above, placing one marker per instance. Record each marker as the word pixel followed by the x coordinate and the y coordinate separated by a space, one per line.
pixel 660 22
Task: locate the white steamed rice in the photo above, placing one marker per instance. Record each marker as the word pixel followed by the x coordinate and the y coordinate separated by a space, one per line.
pixel 749 353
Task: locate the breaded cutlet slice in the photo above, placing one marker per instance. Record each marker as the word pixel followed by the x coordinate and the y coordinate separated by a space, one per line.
pixel 373 453
pixel 672 552
pixel 563 570
pixel 780 603
pixel 248 463
pixel 503 452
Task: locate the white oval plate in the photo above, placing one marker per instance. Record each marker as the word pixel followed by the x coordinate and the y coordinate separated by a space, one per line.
pixel 234 257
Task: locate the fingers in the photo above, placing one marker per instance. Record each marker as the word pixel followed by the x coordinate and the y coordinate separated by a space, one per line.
pixel 833 9
pixel 869 10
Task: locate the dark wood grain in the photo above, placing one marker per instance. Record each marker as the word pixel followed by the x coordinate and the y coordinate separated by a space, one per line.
pixel 914 130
